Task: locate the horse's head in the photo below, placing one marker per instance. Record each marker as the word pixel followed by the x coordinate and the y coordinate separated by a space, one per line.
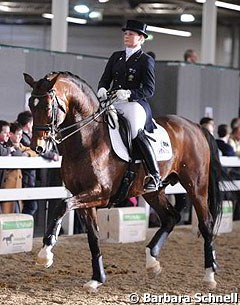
pixel 61 99
pixel 47 110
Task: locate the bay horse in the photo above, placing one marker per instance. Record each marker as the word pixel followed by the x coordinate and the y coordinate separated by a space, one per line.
pixel 64 106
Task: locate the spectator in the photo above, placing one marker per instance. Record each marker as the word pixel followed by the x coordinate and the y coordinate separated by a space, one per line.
pixel 235 122
pixel 223 145
pixel 190 56
pixel 208 123
pixel 29 175
pixel 234 140
pixel 4 136
pixel 15 138
pixel 10 178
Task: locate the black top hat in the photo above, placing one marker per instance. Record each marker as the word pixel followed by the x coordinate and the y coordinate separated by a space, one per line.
pixel 136 26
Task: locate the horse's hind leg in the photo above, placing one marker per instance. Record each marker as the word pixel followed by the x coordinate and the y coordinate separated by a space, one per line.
pixel 169 218
pixel 199 199
pixel 206 228
pixel 98 277
pixel 45 255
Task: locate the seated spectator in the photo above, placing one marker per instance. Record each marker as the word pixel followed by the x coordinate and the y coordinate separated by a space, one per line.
pixel 4 150
pixel 222 142
pixel 234 140
pixel 9 178
pixel 234 172
pixel 15 137
pixel 208 123
pixel 235 122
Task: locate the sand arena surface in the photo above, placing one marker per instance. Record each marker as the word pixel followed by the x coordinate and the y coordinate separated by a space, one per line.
pixel 22 282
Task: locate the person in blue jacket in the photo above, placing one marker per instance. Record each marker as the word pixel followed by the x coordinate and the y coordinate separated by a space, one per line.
pixel 131 73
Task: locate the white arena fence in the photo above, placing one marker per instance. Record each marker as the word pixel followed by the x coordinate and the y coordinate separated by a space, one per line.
pixel 60 192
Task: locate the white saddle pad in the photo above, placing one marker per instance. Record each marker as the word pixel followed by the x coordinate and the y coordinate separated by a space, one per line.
pixel 162 145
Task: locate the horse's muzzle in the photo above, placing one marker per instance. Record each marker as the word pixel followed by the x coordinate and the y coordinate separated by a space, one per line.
pixel 41 146
pixel 39 149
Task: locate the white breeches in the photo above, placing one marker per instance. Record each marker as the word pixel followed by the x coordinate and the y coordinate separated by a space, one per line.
pixel 135 114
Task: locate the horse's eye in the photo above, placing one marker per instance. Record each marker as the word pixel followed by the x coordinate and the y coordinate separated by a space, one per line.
pixel 35 102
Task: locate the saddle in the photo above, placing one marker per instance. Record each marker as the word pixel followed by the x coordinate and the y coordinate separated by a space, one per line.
pixel 125 149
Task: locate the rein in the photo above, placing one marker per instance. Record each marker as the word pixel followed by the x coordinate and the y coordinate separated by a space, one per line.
pixel 82 123
pixel 55 132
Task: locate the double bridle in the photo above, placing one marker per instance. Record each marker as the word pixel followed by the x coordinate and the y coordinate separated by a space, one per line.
pixel 56 132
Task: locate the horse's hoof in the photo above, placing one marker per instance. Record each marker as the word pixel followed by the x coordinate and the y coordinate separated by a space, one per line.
pixel 208 280
pixel 45 260
pixel 210 284
pixel 92 286
pixel 154 270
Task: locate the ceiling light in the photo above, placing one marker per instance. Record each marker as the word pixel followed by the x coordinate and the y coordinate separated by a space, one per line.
pixel 48 16
pixel 5 8
pixel 76 20
pixel 168 31
pixel 150 37
pixel 221 4
pixel 187 18
pixel 69 19
pixel 228 5
pixel 103 1
pixel 82 9
pixel 95 15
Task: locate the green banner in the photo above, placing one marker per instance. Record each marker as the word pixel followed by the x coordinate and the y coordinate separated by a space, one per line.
pixel 133 217
pixel 15 225
pixel 227 209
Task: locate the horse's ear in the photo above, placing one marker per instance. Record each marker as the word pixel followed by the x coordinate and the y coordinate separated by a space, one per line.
pixel 29 80
pixel 52 82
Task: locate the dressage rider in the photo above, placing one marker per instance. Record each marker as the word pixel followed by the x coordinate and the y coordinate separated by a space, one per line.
pixel 131 73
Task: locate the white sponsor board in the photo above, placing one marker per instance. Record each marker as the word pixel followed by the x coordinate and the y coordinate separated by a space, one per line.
pixel 16 233
pixel 122 225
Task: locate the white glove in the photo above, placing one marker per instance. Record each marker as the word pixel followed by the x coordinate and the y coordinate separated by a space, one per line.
pixel 102 94
pixel 123 94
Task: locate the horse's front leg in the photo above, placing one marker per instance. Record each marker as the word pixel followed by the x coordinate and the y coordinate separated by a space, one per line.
pixel 97 196
pixel 169 217
pixel 98 276
pixel 45 256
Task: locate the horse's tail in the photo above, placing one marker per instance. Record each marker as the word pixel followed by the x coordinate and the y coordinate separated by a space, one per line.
pixel 216 175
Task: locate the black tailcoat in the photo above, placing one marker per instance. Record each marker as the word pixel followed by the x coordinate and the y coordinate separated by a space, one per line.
pixel 136 74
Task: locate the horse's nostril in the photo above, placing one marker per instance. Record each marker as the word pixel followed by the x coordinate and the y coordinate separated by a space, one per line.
pixel 39 149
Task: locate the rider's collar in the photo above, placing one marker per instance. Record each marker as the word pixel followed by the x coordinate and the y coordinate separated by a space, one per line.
pixel 131 51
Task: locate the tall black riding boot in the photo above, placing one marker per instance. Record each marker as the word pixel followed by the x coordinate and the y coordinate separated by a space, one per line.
pixel 148 155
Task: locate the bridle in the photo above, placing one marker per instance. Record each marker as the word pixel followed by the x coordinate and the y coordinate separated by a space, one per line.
pixel 55 133
pixel 55 107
